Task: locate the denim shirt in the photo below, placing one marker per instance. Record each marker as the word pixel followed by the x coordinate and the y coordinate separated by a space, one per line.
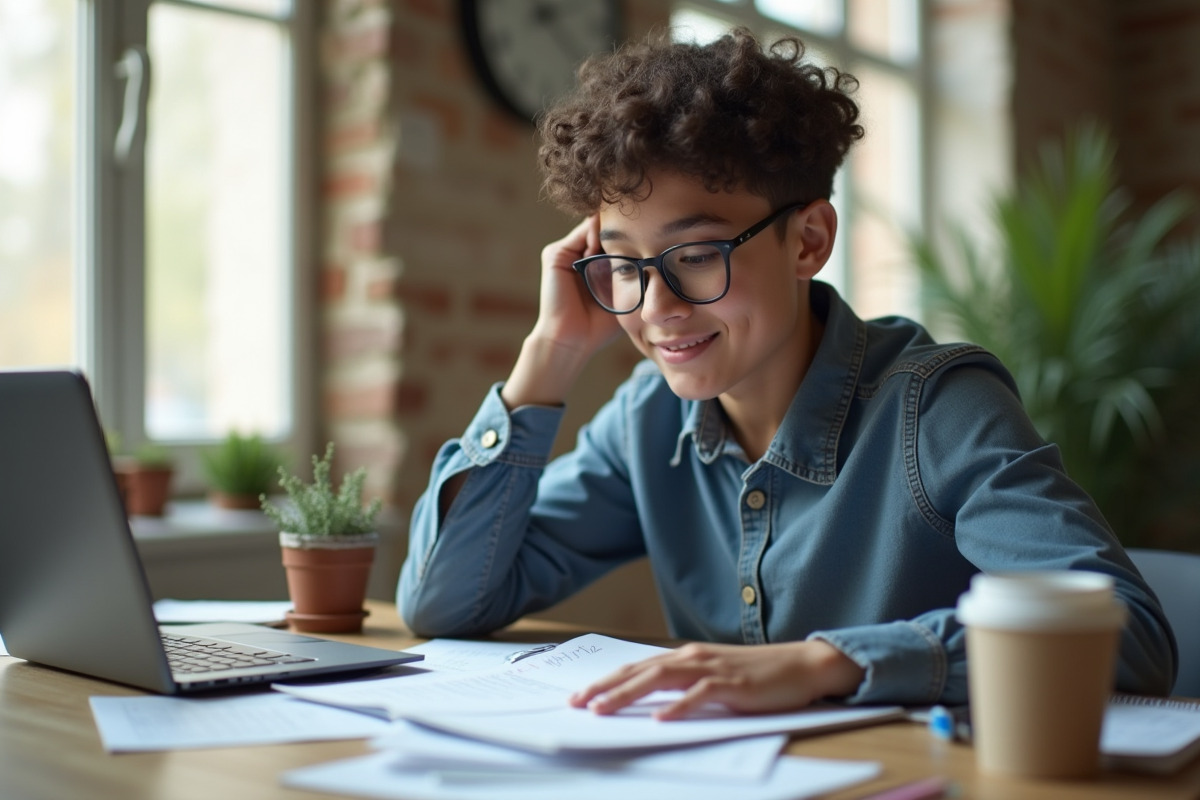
pixel 902 468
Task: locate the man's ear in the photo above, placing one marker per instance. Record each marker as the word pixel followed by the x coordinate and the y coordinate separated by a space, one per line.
pixel 812 230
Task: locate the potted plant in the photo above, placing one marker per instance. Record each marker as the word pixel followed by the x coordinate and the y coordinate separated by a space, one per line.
pixel 239 470
pixel 143 477
pixel 1092 307
pixel 328 539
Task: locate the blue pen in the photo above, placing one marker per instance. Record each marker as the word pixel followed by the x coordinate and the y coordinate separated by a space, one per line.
pixel 941 723
pixel 949 725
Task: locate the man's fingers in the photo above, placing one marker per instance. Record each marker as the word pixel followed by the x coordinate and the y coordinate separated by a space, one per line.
pixel 704 691
pixel 645 681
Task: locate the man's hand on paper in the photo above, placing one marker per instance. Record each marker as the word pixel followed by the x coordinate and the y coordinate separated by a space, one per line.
pixel 755 679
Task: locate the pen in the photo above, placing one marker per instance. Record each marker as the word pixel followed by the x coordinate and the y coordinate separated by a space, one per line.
pixel 513 658
pixel 926 789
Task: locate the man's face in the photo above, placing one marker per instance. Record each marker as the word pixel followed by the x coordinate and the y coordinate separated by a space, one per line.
pixel 744 345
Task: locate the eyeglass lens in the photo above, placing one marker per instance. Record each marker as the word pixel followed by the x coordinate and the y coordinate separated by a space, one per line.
pixel 697 272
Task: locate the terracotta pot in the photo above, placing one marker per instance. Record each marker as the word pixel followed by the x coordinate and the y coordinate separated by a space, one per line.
pixel 144 489
pixel 234 502
pixel 327 580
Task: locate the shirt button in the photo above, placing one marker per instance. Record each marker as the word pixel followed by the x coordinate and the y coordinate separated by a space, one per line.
pixel 756 500
pixel 489 438
pixel 749 595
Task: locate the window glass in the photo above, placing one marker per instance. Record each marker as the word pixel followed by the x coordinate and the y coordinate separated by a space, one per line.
pixel 37 182
pixel 688 25
pixel 878 192
pixel 886 187
pixel 819 16
pixel 887 28
pixel 217 287
pixel 271 7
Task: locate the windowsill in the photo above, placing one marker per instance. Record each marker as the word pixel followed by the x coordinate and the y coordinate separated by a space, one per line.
pixel 199 518
pixel 199 551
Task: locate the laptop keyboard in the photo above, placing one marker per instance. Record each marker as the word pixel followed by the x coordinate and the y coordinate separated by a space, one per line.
pixel 188 654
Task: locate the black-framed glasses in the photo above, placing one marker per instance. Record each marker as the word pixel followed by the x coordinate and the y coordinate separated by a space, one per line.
pixel 697 272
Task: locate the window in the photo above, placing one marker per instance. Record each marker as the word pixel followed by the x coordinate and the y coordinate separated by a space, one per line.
pixel 879 193
pixel 150 215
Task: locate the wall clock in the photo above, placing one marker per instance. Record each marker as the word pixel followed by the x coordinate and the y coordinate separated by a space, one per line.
pixel 526 51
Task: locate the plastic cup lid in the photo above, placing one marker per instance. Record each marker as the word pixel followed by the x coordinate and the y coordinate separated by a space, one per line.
pixel 1046 600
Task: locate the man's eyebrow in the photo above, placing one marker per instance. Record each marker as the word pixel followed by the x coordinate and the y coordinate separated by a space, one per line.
pixel 675 226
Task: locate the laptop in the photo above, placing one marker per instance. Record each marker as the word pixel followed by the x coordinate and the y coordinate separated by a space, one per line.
pixel 73 593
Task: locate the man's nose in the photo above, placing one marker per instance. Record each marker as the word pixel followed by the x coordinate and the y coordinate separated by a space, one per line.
pixel 659 301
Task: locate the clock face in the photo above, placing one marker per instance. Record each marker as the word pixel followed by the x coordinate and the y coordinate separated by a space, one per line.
pixel 527 51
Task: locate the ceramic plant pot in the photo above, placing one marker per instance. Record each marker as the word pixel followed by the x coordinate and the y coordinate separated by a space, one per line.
pixel 144 489
pixel 327 580
pixel 234 502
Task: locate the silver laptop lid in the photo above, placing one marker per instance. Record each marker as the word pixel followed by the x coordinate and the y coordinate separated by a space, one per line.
pixel 72 590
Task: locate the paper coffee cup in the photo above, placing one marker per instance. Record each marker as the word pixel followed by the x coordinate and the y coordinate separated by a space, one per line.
pixel 1041 655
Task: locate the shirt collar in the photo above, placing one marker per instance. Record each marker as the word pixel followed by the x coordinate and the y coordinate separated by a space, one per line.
pixel 806 444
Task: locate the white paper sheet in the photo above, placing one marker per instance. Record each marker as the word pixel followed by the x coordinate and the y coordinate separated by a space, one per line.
pixel 146 723
pixel 541 682
pixel 3 652
pixel 466 655
pixel 420 748
pixel 572 729
pixel 269 612
pixel 377 776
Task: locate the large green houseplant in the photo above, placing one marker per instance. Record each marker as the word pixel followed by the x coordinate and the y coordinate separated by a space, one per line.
pixel 328 539
pixel 1096 311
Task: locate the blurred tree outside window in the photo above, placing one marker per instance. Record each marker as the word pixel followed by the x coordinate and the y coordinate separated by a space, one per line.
pixel 149 210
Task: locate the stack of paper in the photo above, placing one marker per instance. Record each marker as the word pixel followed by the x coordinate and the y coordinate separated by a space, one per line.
pixel 469 722
pixel 473 725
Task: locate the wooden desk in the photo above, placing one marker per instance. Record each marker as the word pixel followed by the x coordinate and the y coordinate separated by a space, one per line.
pixel 49 748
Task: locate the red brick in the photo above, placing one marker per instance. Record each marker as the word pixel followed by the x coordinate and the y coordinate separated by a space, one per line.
pixel 352 137
pixel 409 48
pixel 1138 23
pixel 358 45
pixel 448 113
pixel 362 402
pixel 356 340
pixel 382 287
pixel 431 9
pixel 429 298
pixel 1189 112
pixel 366 236
pixel 490 304
pixel 411 398
pixel 501 131
pixel 333 284
pixel 496 358
pixel 349 184
pixel 442 352
pixel 451 63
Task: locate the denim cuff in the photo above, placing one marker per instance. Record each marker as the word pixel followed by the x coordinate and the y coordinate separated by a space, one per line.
pixel 905 661
pixel 523 436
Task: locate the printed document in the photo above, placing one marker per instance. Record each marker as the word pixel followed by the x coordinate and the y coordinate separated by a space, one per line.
pixel 145 723
pixel 538 683
pixel 419 748
pixel 382 775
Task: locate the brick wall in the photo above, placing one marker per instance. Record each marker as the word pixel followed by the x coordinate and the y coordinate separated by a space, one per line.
pixel 430 262
pixel 1135 66
pixel 1156 77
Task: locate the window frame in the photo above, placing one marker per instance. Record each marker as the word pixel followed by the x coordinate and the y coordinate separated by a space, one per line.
pixel 111 257
pixel 917 73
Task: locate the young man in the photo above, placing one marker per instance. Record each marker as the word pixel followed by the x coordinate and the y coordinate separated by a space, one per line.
pixel 814 491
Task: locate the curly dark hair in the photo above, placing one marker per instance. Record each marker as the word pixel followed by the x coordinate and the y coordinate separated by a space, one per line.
pixel 730 113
